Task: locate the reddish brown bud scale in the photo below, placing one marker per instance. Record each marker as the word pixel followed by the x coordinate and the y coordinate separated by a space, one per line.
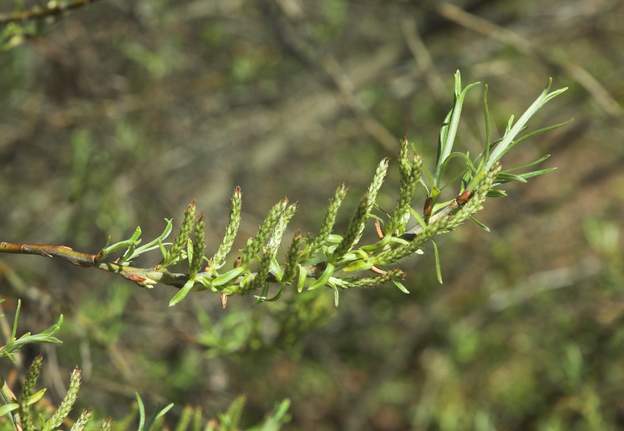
pixel 378 270
pixel 428 208
pixel 136 278
pixel 463 197
pixel 379 230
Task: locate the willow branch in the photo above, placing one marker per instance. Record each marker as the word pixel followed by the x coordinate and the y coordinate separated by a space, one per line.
pixel 146 277
pixel 38 13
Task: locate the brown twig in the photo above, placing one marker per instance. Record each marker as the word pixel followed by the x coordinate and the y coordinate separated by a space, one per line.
pixel 38 13
pixel 145 277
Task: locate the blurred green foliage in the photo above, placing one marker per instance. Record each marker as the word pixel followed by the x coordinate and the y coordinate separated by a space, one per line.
pixel 121 112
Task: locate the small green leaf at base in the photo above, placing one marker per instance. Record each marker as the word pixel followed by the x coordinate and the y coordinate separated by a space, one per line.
pixel 181 294
pixel 436 254
pixel 401 287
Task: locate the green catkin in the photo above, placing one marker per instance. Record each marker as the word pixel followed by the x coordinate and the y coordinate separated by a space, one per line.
pixel 178 248
pixel 393 274
pixel 230 232
pixel 411 171
pixel 443 225
pixel 106 425
pixel 255 244
pixel 29 388
pixel 358 222
pixel 280 227
pixel 66 405
pixel 260 281
pixel 330 219
pixel 292 258
pixel 199 245
pixel 82 421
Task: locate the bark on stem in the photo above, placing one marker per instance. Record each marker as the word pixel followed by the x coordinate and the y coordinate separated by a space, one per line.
pixel 146 277
pixel 42 12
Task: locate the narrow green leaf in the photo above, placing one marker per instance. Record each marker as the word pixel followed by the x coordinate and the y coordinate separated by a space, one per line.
pixel 514 130
pixel 36 397
pixel 450 127
pixel 301 278
pixel 506 177
pixel 53 329
pixel 226 277
pixel 419 219
pixel 436 254
pixel 134 241
pixel 359 265
pixel 496 193
pixel 141 411
pixel 530 164
pixel 541 131
pixel 401 287
pixel 322 280
pixel 537 173
pixel 155 243
pixel 16 319
pixel 163 411
pixel 479 223
pixel 487 123
pixel 182 293
pixel 136 235
pixel 8 408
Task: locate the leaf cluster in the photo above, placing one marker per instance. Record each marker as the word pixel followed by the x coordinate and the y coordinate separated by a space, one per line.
pixel 14 343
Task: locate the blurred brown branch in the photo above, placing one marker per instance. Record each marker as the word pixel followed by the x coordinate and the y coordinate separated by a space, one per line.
pixel 37 13
pixel 330 68
pixel 584 78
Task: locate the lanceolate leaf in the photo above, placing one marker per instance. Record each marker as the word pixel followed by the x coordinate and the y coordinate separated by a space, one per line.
pixel 438 266
pixel 182 293
pixel 514 130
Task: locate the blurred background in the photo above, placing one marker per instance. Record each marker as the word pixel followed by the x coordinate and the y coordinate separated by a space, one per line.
pixel 121 112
